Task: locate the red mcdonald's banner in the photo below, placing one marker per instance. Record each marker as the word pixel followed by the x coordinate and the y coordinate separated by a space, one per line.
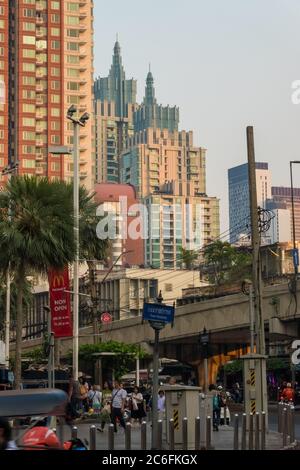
pixel 61 318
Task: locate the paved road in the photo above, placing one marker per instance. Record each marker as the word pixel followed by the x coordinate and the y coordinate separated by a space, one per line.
pixel 273 422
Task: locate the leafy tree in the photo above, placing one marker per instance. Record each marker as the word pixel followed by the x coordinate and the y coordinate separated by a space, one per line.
pixel 188 257
pixel 225 264
pixel 38 236
pixel 122 362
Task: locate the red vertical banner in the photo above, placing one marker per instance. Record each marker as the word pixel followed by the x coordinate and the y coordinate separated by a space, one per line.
pixel 60 304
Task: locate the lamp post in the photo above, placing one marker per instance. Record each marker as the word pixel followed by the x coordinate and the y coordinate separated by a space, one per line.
pixel 295 249
pixel 77 122
pixel 9 170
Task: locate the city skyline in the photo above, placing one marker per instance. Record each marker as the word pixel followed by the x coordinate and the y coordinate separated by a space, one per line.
pixel 222 67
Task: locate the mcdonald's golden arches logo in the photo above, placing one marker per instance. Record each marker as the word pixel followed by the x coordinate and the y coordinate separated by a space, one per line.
pixel 58 281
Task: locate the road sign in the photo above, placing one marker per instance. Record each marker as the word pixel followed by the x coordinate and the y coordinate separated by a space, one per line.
pixel 158 313
pixel 106 317
pixel 296 256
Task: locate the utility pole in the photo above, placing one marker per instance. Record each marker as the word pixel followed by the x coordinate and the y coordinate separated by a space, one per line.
pixel 255 236
pixel 255 377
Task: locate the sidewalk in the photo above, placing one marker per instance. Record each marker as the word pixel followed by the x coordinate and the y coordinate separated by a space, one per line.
pixel 221 440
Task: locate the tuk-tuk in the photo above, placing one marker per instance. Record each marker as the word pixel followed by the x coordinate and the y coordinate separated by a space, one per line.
pixel 37 404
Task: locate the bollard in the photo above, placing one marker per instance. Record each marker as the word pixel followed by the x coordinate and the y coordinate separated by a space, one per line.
pixel 292 434
pixel 236 433
pixel 171 435
pixel 284 427
pixel 251 425
pixel 263 430
pixel 128 436
pixel 74 432
pixel 280 409
pixel 144 435
pixel 159 434
pixel 111 437
pixel 244 431
pixel 93 437
pixel 197 433
pixel 257 431
pixel 289 420
pixel 208 433
pixel 185 434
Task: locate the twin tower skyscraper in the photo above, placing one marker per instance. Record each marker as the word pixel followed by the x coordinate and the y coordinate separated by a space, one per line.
pixel 141 145
pixel 118 116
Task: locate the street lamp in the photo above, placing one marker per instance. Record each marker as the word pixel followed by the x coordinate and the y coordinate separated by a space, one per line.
pixel 295 250
pixel 9 170
pixel 77 123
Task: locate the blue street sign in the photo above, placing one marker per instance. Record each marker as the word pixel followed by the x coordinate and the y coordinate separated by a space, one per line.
pixel 296 256
pixel 158 313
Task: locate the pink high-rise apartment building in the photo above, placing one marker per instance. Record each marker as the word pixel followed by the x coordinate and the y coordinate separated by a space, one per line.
pixel 46 64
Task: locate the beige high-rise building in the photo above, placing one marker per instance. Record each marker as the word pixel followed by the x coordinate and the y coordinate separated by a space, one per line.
pixel 155 157
pixel 46 64
pixel 168 172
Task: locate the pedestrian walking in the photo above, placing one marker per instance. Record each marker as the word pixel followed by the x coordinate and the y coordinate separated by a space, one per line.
pixel 161 404
pixel 216 409
pixel 118 400
pixel 137 406
pixel 95 398
pixel 288 394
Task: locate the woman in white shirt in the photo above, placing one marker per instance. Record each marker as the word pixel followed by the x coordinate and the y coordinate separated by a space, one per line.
pixel 137 408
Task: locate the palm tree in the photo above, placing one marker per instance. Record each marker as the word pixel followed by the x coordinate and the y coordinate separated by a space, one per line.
pixel 38 236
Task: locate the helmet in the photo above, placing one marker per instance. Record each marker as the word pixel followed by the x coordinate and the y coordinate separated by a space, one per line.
pixel 220 387
pixel 40 436
pixel 289 384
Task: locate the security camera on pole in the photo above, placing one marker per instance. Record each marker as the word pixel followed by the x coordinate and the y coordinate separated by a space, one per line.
pixel 77 123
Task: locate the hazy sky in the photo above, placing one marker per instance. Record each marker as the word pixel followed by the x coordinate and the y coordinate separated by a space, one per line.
pixel 226 64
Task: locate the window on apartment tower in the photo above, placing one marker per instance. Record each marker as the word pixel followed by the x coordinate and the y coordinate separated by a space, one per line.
pixel 72 20
pixel 28 26
pixel 73 46
pixel 29 40
pixel 73 86
pixel 55 125
pixel 55 99
pixel 73 59
pixel 55 18
pixel 73 33
pixel 55 5
pixel 55 31
pixel 55 139
pixel 55 44
pixel 73 6
pixel 55 58
pixel 55 85
pixel 29 53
